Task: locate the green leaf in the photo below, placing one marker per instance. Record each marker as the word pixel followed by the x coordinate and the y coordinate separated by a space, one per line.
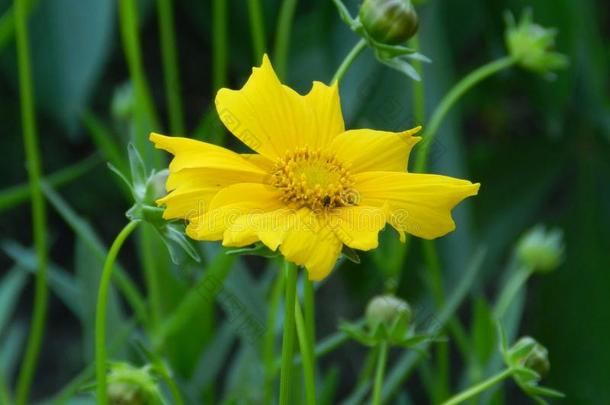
pixel 258 249
pixel 350 254
pixel 10 290
pixel 11 347
pixel 177 243
pixel 139 176
pixel 547 392
pixel 357 333
pixel 12 196
pixel 69 44
pixel 60 281
pixel 483 332
pixel 401 65
pixel 345 15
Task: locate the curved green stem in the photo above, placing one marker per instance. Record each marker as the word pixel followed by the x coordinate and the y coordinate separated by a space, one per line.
pixel 349 59
pixel 170 66
pixel 382 358
pixel 450 99
pixel 257 29
pixel 282 38
pixel 30 139
pixel 100 316
pixel 307 355
pixel 290 276
pixel 477 389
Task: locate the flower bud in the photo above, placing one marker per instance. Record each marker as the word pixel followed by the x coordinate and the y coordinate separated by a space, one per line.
pixel 529 353
pixel 388 310
pixel 531 45
pixel 123 101
pixel 128 385
pixel 540 249
pixel 389 22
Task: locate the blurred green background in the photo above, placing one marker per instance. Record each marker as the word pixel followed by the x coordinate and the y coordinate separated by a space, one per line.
pixel 540 149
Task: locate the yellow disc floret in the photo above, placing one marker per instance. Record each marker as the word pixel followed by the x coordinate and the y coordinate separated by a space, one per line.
pixel 314 179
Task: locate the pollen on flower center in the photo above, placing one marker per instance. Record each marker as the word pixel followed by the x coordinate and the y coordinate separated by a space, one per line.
pixel 314 179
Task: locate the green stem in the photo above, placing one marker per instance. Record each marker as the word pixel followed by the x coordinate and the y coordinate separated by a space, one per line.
pixel 219 44
pixel 477 389
pixel 100 316
pixel 310 314
pixel 32 154
pixel 382 358
pixel 290 275
pixel 441 389
pixel 269 341
pixel 307 355
pixel 146 116
pixel 405 363
pixel 257 29
pixel 450 99
pixel 7 22
pixel 170 66
pixel 419 103
pixel 282 38
pixel 349 59
pixel 511 288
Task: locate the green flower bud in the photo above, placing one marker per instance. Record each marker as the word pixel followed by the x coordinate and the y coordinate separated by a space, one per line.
pixel 389 311
pixel 123 102
pixel 531 45
pixel 389 22
pixel 128 385
pixel 540 249
pixel 527 352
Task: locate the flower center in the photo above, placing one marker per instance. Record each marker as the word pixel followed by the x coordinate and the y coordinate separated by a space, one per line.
pixel 313 179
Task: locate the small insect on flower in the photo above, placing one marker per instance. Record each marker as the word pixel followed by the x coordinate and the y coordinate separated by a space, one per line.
pixel 311 187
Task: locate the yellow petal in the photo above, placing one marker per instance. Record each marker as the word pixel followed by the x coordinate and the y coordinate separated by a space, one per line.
pixel 198 171
pixel 358 226
pixel 186 203
pixel 259 160
pixel 190 153
pixel 268 227
pixel 312 244
pixel 272 118
pixel 419 204
pixel 327 116
pixel 370 150
pixel 228 205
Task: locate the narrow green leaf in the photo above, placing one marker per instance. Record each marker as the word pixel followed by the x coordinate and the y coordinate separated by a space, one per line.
pixel 10 290
pixel 12 196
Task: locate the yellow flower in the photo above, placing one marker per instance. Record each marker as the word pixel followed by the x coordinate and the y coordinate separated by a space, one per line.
pixel 312 186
